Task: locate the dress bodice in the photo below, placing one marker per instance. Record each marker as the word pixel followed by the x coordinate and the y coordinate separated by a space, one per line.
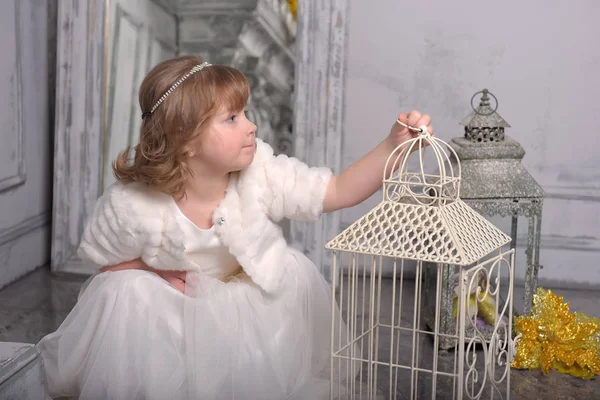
pixel 204 248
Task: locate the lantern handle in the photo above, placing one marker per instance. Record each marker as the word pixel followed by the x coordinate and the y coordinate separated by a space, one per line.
pixel 485 92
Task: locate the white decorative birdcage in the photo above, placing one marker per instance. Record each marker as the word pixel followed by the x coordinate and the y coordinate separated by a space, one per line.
pixel 380 344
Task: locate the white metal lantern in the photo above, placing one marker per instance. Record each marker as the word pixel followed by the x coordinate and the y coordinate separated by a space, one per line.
pixel 421 221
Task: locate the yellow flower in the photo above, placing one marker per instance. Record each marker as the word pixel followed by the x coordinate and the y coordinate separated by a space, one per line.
pixel 553 337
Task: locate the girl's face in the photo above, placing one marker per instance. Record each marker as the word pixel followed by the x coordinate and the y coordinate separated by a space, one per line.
pixel 229 144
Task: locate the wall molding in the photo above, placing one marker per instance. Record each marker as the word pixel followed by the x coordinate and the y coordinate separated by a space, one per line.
pixel 321 42
pixel 586 194
pixel 195 7
pixel 121 16
pixel 24 227
pixel 18 179
pixel 79 125
pixel 165 5
pixel 563 242
pixel 569 182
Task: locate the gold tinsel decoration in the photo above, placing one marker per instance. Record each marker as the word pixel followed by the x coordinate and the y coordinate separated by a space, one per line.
pixel 554 337
pixel 293 7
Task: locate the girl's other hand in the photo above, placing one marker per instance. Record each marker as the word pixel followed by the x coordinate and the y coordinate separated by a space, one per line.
pixel 175 278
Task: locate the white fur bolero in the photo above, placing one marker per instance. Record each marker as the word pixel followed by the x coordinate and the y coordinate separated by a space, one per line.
pixel 133 220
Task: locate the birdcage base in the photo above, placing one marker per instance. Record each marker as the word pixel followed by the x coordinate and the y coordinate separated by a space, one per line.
pixel 362 393
pixel 379 378
pixel 400 347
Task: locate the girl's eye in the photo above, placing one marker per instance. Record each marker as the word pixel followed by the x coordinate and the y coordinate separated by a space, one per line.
pixel 232 118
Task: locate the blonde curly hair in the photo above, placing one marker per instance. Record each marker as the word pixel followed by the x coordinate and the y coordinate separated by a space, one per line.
pixel 167 133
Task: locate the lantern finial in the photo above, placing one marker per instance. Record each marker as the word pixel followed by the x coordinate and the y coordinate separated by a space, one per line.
pixel 485 100
pixel 484 124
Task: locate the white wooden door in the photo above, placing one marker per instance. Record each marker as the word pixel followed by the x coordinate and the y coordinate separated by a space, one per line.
pixel 106 47
pixel 140 35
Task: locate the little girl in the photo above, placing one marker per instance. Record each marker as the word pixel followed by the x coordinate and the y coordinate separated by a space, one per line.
pixel 199 296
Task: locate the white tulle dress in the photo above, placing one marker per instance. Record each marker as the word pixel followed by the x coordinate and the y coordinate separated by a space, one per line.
pixel 133 336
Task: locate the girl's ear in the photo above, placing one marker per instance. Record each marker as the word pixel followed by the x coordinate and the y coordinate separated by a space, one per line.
pixel 190 150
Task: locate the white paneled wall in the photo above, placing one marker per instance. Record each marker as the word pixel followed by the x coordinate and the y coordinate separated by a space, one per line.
pixel 25 137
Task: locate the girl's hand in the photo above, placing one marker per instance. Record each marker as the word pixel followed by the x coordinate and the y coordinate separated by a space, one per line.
pixel 133 264
pixel 399 134
pixel 175 278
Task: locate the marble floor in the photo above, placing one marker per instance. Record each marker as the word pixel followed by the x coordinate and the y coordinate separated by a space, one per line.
pixel 37 304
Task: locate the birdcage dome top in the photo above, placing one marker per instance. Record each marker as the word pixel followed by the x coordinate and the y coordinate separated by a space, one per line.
pixel 421 216
pixel 412 183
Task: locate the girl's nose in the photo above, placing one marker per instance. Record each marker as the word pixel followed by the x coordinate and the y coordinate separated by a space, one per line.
pixel 252 129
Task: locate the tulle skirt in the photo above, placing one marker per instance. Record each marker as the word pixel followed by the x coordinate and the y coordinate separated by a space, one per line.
pixel 133 336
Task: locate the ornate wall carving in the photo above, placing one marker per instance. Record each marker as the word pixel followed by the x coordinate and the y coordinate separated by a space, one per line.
pixel 258 37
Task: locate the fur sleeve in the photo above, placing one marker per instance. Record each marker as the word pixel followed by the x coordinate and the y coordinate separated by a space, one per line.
pixel 296 191
pixel 116 232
